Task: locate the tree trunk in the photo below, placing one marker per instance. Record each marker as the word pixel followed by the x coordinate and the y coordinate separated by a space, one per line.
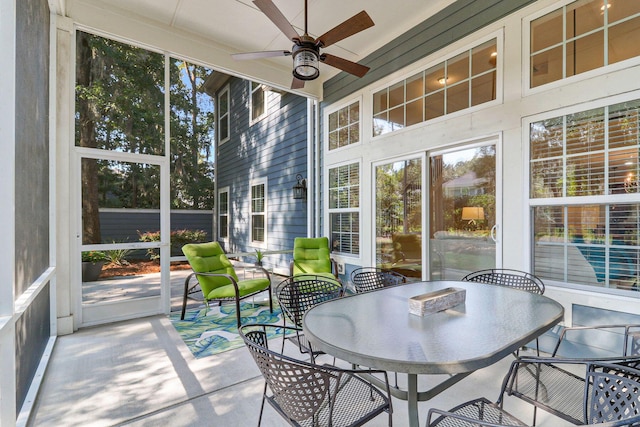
pixel 86 130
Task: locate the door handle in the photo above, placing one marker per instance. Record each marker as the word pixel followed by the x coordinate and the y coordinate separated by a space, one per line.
pixel 493 233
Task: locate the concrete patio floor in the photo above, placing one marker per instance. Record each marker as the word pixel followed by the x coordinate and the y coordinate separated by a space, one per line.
pixel 140 373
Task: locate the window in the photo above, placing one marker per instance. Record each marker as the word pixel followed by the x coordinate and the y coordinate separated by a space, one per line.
pixel 584 196
pixel 223 213
pixel 223 115
pixel 258 107
pixel 258 213
pixel 463 81
pixel 344 126
pixel 582 36
pixel 344 203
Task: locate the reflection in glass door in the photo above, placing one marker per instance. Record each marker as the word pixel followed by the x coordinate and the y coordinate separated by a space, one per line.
pixel 462 226
pixel 399 217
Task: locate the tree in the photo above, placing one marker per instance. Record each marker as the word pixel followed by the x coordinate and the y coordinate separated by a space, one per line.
pixel 120 98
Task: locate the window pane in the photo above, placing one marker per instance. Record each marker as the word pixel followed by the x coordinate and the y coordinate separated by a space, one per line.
pixel 585 131
pixel 396 118
pixel 546 66
pixel 621 9
pixel 354 113
pixel 624 40
pixel 483 88
pixel 434 105
pixel 380 101
pixel 586 53
pixel 584 16
pixel 458 68
pixel 546 138
pixel 414 112
pixel 546 179
pixel 433 78
pixel 457 97
pixel 623 124
pixel 381 124
pixel 546 31
pixel 333 121
pixel 257 228
pixel 396 94
pixel 483 57
pixel 354 133
pixel 415 87
pixel 623 171
pixel 585 175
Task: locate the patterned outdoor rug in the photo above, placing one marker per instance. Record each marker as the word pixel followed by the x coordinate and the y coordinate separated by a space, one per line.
pixel 217 331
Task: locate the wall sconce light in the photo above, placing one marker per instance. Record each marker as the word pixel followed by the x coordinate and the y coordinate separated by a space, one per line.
pixel 473 214
pixel 300 189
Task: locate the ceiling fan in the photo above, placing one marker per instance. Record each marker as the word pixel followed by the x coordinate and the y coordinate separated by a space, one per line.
pixel 306 50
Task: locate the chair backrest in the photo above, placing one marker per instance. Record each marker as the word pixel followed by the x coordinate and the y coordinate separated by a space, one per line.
pixel 209 258
pixel 298 294
pixel 366 279
pixel 300 389
pixel 507 277
pixel 311 255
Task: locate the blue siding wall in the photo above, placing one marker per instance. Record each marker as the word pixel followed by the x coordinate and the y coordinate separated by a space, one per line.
pixel 275 147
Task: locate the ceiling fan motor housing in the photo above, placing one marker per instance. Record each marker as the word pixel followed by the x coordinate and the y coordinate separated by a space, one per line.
pixel 306 59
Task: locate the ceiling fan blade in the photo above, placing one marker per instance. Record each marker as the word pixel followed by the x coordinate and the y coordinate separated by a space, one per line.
pixel 344 65
pixel 351 26
pixel 297 83
pixel 263 54
pixel 275 15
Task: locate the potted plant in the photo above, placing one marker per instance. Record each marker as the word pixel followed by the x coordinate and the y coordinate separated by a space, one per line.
pixel 259 256
pixel 92 262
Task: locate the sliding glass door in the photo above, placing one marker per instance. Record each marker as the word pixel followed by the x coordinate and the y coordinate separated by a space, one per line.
pixel 463 216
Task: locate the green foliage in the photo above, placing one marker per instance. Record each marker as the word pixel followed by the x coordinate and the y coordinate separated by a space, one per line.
pixel 178 238
pixel 118 256
pixel 93 256
pixel 259 256
pixel 120 101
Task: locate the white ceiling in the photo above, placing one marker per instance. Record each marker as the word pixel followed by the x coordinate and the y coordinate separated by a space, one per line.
pixel 233 26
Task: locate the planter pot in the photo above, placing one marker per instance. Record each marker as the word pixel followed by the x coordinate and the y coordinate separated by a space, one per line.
pixel 91 271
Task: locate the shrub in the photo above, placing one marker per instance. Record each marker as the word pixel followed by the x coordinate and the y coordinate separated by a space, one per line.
pixel 179 238
pixel 93 256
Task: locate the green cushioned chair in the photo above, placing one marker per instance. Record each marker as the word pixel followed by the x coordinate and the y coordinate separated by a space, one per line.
pixel 311 256
pixel 217 278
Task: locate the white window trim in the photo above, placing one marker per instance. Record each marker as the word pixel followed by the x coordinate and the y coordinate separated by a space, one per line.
pixel 333 109
pixel 530 202
pixel 228 214
pixel 224 92
pixel 329 211
pixel 253 120
pixel 527 90
pixel 253 183
pixel 437 58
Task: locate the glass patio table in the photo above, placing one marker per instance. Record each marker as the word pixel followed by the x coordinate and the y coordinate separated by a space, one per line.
pixel 376 330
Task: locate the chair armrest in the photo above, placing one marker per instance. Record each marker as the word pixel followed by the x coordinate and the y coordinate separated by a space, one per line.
pixel 291 268
pixel 624 328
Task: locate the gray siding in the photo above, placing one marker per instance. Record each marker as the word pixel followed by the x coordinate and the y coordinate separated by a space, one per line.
pixel 456 21
pixel 31 186
pixel 274 148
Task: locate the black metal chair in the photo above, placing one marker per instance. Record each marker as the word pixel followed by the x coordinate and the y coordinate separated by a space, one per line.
pixel 366 279
pixel 306 394
pixel 298 294
pixel 511 278
pixel 507 277
pixel 577 391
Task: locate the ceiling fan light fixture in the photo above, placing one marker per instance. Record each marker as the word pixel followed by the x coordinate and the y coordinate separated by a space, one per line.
pixel 306 64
